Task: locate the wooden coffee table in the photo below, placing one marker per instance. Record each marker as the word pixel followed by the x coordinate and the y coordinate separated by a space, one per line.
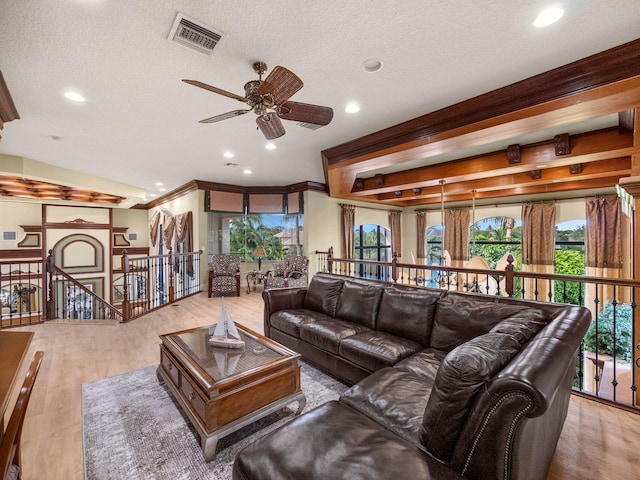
pixel 222 390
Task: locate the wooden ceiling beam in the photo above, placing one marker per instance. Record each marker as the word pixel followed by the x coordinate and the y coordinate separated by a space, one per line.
pixel 585 148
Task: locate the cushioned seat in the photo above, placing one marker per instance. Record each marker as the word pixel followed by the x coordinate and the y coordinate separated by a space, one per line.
pixel 336 438
pixel 374 350
pixel 224 275
pixel 327 334
pixel 290 321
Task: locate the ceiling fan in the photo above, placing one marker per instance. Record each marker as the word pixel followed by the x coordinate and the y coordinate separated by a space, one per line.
pixel 269 100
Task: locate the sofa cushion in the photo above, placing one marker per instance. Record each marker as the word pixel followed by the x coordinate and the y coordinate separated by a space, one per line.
pixel 329 332
pixel 290 321
pixel 394 398
pixel 408 313
pixel 462 374
pixel 374 350
pixel 322 295
pixel 460 319
pixel 424 364
pixel 359 303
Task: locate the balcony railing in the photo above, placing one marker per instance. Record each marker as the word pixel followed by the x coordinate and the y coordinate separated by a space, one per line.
pixel 37 290
pixel 609 360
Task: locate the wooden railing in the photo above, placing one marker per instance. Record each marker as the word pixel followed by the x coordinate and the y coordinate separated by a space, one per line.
pixel 149 283
pixel 35 291
pixel 608 364
pixel 22 293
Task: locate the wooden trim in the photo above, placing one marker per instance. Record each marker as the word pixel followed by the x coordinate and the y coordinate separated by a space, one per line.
pixel 118 251
pixel 21 253
pixel 27 241
pixel 32 228
pixel 120 229
pixel 77 226
pixel 8 111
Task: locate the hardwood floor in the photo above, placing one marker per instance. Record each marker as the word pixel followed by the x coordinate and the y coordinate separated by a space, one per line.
pixel 597 442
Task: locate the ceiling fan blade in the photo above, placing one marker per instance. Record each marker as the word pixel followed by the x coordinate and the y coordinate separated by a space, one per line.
pixel 224 116
pixel 280 84
pixel 270 126
pixel 306 113
pixel 217 90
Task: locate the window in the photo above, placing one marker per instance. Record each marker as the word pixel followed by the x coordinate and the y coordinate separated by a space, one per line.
pixel 372 242
pixel 493 237
pixel 279 234
pixel 569 259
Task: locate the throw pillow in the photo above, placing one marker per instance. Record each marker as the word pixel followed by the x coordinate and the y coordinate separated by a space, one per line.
pixel 462 374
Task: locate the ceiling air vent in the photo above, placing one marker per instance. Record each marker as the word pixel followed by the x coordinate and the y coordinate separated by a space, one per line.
pixel 310 126
pixel 194 35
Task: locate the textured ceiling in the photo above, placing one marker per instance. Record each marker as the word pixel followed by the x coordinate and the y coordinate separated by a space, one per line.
pixel 140 126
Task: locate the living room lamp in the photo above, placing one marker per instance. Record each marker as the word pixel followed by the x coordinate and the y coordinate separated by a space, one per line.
pixel 259 252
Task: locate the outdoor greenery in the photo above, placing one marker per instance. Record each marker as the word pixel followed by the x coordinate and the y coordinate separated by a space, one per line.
pixel 249 231
pixel 570 262
pixel 611 333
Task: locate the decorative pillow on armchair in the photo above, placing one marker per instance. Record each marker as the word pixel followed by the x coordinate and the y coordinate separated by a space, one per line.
pixel 278 269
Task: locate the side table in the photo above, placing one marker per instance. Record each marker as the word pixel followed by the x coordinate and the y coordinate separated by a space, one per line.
pixel 254 276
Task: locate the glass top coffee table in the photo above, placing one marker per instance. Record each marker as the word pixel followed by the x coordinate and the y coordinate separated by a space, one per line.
pixel 221 389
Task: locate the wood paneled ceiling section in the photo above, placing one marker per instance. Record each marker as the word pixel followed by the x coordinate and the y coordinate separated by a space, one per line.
pixel 12 186
pixel 603 84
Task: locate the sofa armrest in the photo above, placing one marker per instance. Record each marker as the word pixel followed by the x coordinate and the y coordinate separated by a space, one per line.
pixel 281 299
pixel 514 426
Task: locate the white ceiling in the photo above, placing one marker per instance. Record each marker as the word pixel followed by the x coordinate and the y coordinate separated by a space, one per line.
pixel 140 126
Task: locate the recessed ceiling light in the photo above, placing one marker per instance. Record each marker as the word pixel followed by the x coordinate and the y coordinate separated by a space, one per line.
pixel 75 96
pixel 159 184
pixel 372 65
pixel 270 146
pixel 548 16
pixel 352 107
pixel 246 171
pixel 162 189
pixel 228 154
pixel 152 194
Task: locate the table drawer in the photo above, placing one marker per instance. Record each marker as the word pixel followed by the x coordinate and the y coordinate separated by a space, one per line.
pixel 193 398
pixel 170 368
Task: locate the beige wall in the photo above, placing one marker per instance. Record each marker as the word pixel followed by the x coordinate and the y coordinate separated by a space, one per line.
pixel 16 213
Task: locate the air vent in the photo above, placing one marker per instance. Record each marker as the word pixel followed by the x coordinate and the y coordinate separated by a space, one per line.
pixel 310 126
pixel 194 35
pixel 9 236
pixel 133 237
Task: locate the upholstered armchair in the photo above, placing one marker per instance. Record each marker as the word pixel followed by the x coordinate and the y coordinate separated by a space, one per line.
pixel 292 272
pixel 224 274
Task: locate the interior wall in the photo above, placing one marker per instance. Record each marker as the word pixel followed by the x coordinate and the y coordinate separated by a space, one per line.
pixel 16 213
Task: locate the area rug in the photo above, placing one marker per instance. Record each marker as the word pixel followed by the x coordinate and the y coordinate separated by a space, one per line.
pixel 133 429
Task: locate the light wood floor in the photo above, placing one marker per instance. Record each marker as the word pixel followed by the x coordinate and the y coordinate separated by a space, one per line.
pixel 597 442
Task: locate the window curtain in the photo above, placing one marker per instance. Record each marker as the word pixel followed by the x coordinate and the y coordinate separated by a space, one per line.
pixel 603 250
pixel 396 232
pixel 538 245
pixel 421 227
pixel 184 235
pixel 456 236
pixel 154 224
pixel 348 224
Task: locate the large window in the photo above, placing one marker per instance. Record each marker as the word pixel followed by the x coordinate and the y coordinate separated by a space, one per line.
pixel 372 242
pixel 279 234
pixel 494 237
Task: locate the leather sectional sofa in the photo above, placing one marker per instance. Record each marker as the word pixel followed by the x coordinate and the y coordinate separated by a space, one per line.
pixel 445 385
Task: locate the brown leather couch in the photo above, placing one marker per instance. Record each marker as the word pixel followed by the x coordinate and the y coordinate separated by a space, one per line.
pixel 446 385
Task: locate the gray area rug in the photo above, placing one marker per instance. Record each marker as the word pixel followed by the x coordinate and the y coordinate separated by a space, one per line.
pixel 133 429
